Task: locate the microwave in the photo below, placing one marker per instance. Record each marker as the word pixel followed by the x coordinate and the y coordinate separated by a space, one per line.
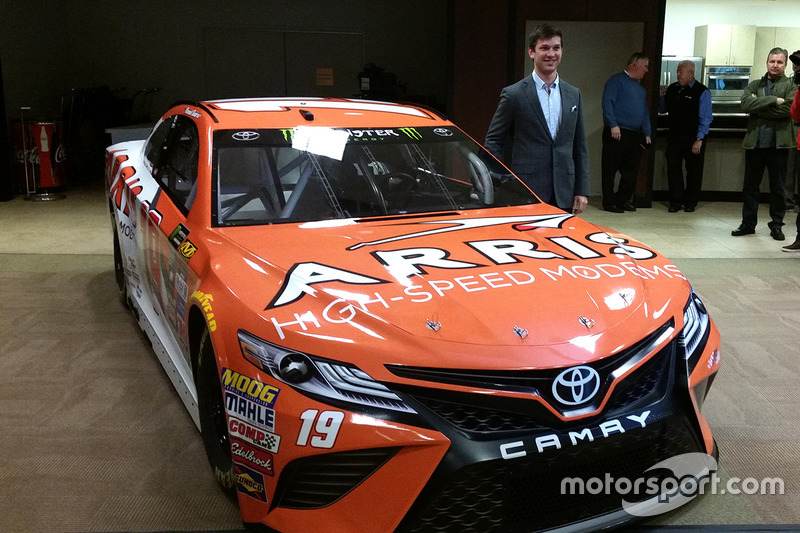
pixel 727 83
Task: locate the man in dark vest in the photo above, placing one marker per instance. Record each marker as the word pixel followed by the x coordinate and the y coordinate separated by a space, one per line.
pixel 688 103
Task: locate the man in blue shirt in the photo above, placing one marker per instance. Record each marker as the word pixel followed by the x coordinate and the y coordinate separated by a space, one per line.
pixel 626 132
pixel 688 103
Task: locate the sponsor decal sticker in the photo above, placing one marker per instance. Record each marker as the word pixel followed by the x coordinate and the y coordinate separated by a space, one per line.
pixel 250 482
pixel 250 388
pixel 178 235
pixel 251 411
pixel 192 112
pixel 205 302
pixel 411 133
pixel 254 435
pixel 187 250
pixel 252 457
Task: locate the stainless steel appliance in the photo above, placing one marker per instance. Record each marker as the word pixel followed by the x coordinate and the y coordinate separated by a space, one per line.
pixel 669 68
pixel 726 83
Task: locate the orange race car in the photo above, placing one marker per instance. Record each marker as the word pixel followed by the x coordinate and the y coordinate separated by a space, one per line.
pixel 377 327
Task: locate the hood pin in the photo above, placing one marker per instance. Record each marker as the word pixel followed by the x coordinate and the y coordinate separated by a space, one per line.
pixel 520 332
pixel 588 322
pixel 433 326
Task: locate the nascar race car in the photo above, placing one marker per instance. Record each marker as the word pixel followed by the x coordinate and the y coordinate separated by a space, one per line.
pixel 376 326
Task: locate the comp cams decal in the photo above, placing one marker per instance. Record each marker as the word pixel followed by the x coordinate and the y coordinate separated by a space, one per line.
pixel 254 435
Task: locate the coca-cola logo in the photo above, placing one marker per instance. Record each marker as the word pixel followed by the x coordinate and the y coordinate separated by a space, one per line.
pixel 61 154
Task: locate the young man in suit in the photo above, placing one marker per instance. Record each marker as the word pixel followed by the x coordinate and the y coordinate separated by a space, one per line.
pixel 541 117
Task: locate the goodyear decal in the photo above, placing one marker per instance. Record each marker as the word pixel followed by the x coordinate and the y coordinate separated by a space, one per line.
pixel 205 302
pixel 250 388
pixel 187 250
pixel 252 457
pixel 254 435
pixel 250 482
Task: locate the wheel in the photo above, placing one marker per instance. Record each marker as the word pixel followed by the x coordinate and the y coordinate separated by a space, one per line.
pixel 212 416
pixel 119 270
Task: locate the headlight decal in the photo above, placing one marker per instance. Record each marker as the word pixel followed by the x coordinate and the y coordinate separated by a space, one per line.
pixel 695 330
pixel 326 378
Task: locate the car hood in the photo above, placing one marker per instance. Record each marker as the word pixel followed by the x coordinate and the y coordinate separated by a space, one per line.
pixel 506 277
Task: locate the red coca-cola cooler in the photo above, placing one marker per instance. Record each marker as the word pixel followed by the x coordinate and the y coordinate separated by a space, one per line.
pixel 40 162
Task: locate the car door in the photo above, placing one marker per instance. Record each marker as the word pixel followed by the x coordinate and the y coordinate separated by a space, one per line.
pixel 172 155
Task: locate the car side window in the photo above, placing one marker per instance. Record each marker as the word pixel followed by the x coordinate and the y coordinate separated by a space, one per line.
pixel 172 152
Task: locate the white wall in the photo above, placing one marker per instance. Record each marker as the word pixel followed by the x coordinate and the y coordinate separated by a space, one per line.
pixel 683 15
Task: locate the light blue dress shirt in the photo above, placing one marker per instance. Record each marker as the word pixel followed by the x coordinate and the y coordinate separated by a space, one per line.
pixel 550 101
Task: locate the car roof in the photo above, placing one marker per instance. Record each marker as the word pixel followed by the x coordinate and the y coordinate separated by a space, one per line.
pixel 331 112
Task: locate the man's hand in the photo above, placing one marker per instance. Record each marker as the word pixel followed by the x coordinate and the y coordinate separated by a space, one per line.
pixel 697 146
pixel 579 204
pixel 616 133
pixel 780 100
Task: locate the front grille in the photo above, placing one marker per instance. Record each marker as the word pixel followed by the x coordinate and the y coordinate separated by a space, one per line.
pixel 539 382
pixel 525 494
pixel 480 416
pixel 647 384
pixel 484 419
pixel 320 480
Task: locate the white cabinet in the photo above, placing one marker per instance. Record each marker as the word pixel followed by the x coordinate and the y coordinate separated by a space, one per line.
pixel 725 44
pixel 769 37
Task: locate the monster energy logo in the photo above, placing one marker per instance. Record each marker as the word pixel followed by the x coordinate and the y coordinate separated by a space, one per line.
pixel 288 135
pixel 412 133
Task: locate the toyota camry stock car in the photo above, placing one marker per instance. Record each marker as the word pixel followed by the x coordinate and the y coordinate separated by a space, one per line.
pixel 377 327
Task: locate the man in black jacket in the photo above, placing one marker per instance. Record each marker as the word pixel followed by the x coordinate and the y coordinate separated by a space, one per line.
pixel 688 103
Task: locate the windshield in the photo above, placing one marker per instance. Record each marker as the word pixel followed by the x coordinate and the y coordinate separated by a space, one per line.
pixel 316 173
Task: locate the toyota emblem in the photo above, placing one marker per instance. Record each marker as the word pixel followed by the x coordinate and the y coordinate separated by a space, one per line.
pixel 246 135
pixel 576 385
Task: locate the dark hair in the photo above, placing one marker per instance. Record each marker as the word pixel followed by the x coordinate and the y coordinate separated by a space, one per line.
pixel 544 31
pixel 636 57
pixel 779 50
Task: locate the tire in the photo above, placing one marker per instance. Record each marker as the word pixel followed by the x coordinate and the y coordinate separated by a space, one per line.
pixel 119 269
pixel 212 416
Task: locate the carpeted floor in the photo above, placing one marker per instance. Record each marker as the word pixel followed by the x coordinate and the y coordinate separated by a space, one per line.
pixel 94 438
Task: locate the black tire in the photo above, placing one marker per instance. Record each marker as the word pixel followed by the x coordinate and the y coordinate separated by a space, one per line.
pixel 119 269
pixel 213 425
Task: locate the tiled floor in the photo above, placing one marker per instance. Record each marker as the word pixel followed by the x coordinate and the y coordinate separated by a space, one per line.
pixel 81 456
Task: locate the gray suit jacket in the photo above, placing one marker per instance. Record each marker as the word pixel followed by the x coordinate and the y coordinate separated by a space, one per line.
pixel 554 169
